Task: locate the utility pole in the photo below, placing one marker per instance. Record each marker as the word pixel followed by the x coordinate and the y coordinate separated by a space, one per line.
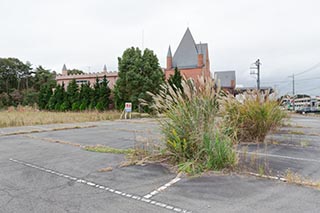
pixel 257 67
pixel 258 73
pixel 293 92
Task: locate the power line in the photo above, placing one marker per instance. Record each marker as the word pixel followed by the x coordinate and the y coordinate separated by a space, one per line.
pixel 315 88
pixel 309 69
pixel 297 80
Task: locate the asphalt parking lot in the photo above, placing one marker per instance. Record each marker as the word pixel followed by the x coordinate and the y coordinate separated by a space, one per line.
pixel 38 175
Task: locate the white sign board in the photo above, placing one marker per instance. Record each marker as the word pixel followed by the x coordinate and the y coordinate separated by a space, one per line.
pixel 128 107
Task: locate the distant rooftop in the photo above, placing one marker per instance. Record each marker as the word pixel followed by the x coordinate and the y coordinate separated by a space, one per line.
pixel 226 78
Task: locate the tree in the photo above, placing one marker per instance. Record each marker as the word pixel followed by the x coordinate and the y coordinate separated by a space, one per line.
pixel 22 84
pixel 12 70
pixel 104 95
pixel 138 74
pixel 71 99
pixel 57 98
pixel 175 80
pixel 43 76
pixel 85 95
pixel 44 96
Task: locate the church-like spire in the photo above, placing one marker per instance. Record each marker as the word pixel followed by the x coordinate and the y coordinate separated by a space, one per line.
pixel 104 68
pixel 64 68
pixel 169 52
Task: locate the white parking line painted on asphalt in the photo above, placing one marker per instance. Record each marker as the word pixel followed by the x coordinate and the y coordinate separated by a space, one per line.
pixel 268 177
pixel 162 188
pixel 279 156
pixel 97 186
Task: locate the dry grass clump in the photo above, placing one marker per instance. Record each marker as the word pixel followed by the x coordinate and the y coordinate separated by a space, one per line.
pixel 251 116
pixel 194 139
pixel 295 178
pixel 25 116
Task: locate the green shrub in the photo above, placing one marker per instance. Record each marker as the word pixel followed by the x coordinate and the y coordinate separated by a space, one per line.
pixel 83 106
pixel 191 128
pixel 100 106
pixel 75 106
pixel 63 107
pixel 57 107
pixel 251 116
pixel 91 106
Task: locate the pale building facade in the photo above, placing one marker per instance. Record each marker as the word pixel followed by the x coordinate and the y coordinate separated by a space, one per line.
pixel 87 77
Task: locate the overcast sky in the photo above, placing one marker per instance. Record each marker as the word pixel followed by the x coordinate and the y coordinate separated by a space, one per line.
pixel 284 34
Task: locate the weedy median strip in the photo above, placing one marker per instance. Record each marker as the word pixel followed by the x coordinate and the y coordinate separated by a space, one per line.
pixel 107 149
pixel 45 130
pixel 289 177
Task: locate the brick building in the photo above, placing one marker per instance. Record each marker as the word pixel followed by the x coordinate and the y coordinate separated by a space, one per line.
pixel 190 58
pixel 227 80
pixel 87 77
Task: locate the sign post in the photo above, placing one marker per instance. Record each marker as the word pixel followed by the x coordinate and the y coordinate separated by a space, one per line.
pixel 127 109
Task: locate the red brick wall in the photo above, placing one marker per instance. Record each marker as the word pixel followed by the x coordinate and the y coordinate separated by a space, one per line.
pixel 190 73
pixel 169 62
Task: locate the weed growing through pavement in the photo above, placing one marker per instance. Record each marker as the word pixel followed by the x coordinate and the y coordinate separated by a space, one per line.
pixel 296 133
pixel 304 143
pixel 251 116
pixel 107 149
pixel 106 169
pixel 295 178
pixel 194 139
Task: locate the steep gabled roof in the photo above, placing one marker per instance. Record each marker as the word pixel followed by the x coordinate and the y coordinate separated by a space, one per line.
pixel 186 56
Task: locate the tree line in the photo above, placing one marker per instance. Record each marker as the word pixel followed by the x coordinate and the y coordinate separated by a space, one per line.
pixel 75 97
pixel 20 84
pixel 139 73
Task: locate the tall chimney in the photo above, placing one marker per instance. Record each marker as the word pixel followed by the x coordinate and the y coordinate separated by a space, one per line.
pixel 200 56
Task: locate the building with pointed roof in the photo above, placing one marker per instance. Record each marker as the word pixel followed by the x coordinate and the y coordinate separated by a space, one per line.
pixel 64 70
pixel 190 58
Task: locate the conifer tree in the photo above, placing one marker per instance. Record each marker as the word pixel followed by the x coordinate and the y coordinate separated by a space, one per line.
pixel 85 96
pixel 104 95
pixel 175 80
pixel 72 97
pixel 44 96
pixel 138 74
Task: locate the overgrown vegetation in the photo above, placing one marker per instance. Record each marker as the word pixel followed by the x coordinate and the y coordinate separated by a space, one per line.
pixel 203 124
pixel 106 149
pixel 194 138
pixel 25 116
pixel 251 116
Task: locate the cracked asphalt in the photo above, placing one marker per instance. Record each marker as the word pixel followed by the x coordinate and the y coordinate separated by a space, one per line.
pixel 34 188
